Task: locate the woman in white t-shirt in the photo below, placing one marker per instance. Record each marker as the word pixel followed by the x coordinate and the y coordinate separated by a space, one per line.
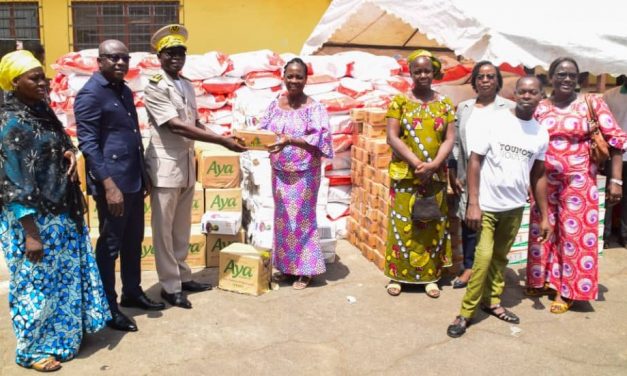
pixel 473 116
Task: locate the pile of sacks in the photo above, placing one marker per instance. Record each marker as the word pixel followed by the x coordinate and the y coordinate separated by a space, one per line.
pixel 233 91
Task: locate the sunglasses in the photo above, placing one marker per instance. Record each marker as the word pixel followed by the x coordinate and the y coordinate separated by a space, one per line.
pixel 563 75
pixel 116 57
pixel 489 76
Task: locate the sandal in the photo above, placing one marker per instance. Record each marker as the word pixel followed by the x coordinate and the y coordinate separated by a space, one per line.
pixel 504 315
pixel 301 283
pixel 560 307
pixel 49 364
pixel 534 292
pixel 432 290
pixel 280 277
pixel 458 327
pixel 393 288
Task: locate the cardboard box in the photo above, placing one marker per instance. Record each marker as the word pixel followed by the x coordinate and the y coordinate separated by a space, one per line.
pixel 256 139
pixel 378 146
pixel 380 160
pixel 218 168
pixel 376 116
pixel 216 243
pixel 80 170
pixel 374 131
pixel 92 212
pixel 361 142
pixel 196 258
pixel 244 269
pixel 223 200
pixel 222 223
pixel 358 114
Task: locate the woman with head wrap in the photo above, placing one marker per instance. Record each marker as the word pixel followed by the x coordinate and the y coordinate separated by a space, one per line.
pixel 421 132
pixel 55 293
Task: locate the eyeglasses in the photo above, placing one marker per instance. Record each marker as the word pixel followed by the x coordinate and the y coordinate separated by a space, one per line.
pixel 563 75
pixel 489 76
pixel 116 57
pixel 174 53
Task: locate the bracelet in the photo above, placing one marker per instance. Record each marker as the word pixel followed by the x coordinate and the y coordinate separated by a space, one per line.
pixel 616 181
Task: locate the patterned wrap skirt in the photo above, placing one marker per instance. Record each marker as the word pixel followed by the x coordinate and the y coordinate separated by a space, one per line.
pixel 296 240
pixel 416 251
pixel 52 302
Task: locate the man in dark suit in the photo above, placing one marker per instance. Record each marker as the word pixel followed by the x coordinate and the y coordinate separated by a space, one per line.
pixel 109 137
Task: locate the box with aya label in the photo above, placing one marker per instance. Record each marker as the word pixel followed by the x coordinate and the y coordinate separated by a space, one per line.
pixel 245 269
pixel 217 242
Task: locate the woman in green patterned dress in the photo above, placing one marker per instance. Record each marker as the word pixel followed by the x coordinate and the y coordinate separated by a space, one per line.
pixel 421 132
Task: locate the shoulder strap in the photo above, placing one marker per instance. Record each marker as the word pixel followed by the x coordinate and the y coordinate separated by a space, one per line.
pixel 592 117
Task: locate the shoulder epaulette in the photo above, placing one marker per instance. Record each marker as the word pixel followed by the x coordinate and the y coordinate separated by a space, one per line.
pixel 156 78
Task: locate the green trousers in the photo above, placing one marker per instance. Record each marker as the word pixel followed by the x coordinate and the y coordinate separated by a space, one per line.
pixel 497 234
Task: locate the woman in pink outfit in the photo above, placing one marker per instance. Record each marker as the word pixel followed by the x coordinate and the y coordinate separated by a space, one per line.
pixel 566 265
pixel 304 138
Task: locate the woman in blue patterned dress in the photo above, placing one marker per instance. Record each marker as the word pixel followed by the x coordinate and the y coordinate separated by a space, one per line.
pixel 55 292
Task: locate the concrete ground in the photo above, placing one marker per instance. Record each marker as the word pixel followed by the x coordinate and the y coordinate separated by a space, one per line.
pixel 318 332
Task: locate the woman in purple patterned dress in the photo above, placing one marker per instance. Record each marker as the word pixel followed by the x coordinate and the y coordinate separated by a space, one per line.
pixel 302 126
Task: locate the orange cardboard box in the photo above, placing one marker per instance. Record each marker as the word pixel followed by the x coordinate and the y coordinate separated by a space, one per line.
pixel 369 172
pixel 378 146
pixel 256 139
pixel 380 160
pixel 358 114
pixel 376 116
pixel 374 131
pixel 361 141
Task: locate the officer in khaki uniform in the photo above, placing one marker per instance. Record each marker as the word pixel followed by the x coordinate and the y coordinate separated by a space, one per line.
pixel 171 106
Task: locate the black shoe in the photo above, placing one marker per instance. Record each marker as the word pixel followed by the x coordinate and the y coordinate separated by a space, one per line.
pixel 141 301
pixel 458 284
pixel 177 299
pixel 458 330
pixel 120 322
pixel 194 286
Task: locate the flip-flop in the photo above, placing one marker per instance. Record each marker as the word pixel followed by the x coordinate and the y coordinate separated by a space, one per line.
pixel 432 290
pixel 560 307
pixel 393 288
pixel 301 283
pixel 46 365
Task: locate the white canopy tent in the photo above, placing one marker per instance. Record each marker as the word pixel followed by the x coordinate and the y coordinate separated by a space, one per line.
pixel 532 33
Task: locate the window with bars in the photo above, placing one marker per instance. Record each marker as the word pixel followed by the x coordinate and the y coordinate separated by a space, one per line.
pixel 18 21
pixel 133 23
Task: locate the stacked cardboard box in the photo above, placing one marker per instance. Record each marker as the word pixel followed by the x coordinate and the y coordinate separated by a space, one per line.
pixel 368 222
pixel 220 175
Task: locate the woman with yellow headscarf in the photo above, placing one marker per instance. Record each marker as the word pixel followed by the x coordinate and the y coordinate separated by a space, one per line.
pixel 421 132
pixel 55 292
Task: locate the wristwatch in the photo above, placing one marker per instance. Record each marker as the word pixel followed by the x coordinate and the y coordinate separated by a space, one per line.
pixel 616 181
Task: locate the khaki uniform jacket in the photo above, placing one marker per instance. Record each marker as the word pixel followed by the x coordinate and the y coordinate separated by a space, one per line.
pixel 170 157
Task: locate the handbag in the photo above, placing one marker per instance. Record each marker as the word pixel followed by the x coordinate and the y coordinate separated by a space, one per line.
pixel 426 208
pixel 599 149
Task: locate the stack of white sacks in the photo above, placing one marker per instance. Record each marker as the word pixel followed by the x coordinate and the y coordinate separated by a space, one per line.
pixel 232 92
